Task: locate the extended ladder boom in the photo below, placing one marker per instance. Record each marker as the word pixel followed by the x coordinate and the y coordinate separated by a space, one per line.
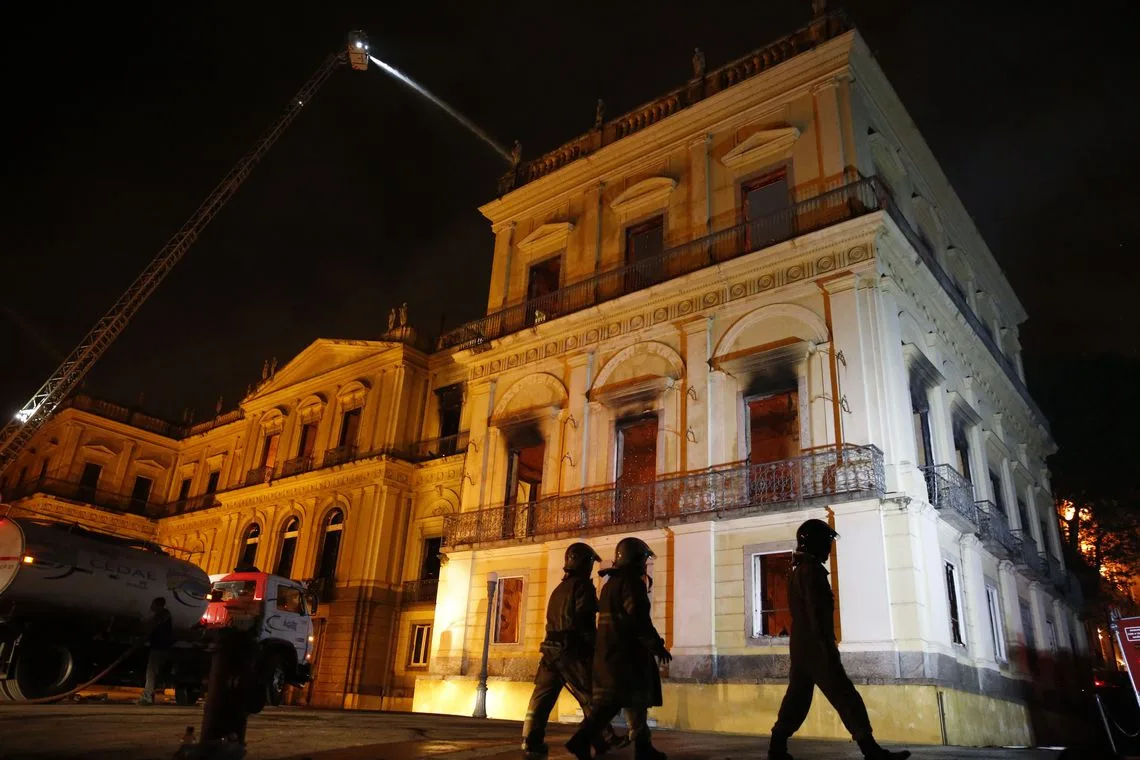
pixel 16 434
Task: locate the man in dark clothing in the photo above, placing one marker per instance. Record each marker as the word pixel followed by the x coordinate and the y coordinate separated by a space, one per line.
pixel 567 652
pixel 161 641
pixel 625 660
pixel 814 653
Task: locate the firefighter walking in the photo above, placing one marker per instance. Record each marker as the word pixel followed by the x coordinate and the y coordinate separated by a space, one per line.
pixel 814 654
pixel 567 651
pixel 625 673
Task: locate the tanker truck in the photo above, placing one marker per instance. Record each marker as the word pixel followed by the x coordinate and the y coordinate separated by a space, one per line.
pixel 72 601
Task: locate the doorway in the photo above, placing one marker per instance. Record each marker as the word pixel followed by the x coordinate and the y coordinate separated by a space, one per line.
pixel 636 469
pixel 767 210
pixel 525 459
pixel 542 290
pixel 89 481
pixel 773 447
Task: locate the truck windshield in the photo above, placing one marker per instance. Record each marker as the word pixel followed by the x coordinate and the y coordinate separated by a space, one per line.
pixel 228 591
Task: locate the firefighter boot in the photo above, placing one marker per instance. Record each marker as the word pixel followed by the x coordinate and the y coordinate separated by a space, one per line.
pixel 872 751
pixel 778 748
pixel 579 745
pixel 643 749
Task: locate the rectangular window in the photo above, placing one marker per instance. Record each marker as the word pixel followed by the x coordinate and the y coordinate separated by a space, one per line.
pixel 140 494
pixel 349 426
pixel 508 611
pixel 419 646
pixel 429 566
pixel 766 203
pixel 269 451
pixel 636 469
pixel 952 602
pixel 289 599
pixel 1026 525
pixel 307 440
pixel 771 615
pixel 450 400
pixel 997 630
pixel 1051 634
pixel 89 481
pixel 184 489
pixel 44 468
pixel 920 418
pixel 962 452
pixel 644 244
pixel 542 290
pixel 999 492
pixel 212 481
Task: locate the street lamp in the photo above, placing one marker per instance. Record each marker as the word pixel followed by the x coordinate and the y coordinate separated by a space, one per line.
pixel 481 689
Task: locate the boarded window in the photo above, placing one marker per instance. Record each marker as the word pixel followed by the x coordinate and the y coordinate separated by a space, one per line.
pixel 419 648
pixel 508 611
pixel 770 613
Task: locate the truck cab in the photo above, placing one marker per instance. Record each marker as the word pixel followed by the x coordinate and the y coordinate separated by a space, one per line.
pixel 279 611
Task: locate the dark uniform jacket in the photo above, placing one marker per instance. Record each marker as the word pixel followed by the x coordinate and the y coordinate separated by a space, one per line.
pixel 570 619
pixel 625 670
pixel 813 611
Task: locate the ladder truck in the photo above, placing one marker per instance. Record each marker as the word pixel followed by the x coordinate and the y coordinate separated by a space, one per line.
pixel 16 434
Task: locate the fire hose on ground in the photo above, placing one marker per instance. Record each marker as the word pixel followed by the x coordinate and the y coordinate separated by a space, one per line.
pixel 100 676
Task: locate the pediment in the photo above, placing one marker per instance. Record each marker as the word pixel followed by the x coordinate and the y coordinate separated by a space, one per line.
pixel 319 358
pixel 761 147
pixel 96 447
pixel 150 464
pixel 546 237
pixel 647 194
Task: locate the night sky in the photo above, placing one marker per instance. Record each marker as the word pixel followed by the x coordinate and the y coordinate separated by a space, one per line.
pixel 119 123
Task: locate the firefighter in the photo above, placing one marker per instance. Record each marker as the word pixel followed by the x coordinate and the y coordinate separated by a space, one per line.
pixel 625 661
pixel 814 653
pixel 567 652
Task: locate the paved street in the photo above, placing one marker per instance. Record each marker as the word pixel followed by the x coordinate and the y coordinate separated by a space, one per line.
pixel 129 732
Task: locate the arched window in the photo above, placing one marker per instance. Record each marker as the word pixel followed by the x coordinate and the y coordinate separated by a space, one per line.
pixel 249 545
pixel 288 547
pixel 330 546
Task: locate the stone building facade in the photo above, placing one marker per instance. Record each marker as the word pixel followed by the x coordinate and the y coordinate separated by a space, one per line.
pixel 753 301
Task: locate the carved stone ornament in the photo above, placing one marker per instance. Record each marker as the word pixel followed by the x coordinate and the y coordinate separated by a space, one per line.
pixel 762 147
pixel 646 195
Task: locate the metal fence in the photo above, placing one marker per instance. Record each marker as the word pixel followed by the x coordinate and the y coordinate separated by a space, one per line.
pixel 994 530
pixel 420 591
pixel 823 210
pixel 829 474
pixel 951 494
pixel 1030 559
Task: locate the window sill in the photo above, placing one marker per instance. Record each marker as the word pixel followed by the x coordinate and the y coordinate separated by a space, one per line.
pixel 767 641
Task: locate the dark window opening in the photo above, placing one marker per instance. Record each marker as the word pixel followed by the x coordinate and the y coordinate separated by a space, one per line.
pixel 637 468
pixel 44 468
pixel 773 431
pixel 269 451
pixel 212 481
pixel 184 489
pixel 999 492
pixel 525 460
pixel 644 244
pixel 952 601
pixel 1023 515
pixel 349 426
pixel 307 439
pixel 962 452
pixel 288 547
pixel 249 546
pixel 450 401
pixel 330 547
pixel 920 417
pixel 429 566
pixel 140 494
pixel 420 646
pixel 767 205
pixel 542 290
pixel 771 613
pixel 89 480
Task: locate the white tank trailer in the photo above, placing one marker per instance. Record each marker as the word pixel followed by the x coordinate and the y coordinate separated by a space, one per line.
pixel 72 601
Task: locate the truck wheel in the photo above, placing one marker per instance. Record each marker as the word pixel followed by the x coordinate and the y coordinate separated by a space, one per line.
pixel 187 696
pixel 274 680
pixel 43 669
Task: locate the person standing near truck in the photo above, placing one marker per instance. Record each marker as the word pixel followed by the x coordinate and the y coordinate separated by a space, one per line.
pixel 160 640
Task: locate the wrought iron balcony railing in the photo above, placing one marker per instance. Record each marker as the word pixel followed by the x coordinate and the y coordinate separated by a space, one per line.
pixel 434 448
pixel 339 455
pixel 108 500
pixel 420 591
pixel 994 530
pixel 952 495
pixel 296 465
pixel 839 205
pixel 821 475
pixel 1057 574
pixel 1030 560
pixel 257 475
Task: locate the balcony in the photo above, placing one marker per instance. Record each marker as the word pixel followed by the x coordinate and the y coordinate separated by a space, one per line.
pixel 296 465
pixel 1029 559
pixel 821 476
pixel 257 475
pixel 995 533
pixel 1056 574
pixel 824 210
pixel 107 500
pixel 422 591
pixel 952 495
pixel 436 448
pixel 339 455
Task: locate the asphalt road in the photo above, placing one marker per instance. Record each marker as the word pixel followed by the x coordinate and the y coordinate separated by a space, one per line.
pixel 130 732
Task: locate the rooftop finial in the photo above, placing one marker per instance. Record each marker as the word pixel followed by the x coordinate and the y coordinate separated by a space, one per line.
pixel 818 8
pixel 698 64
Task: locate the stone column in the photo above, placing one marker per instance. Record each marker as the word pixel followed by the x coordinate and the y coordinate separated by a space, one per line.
pixel 863 578
pixel 1011 603
pixel 829 132
pixel 718 411
pixel 899 440
pixel 581 377
pixel 694 581
pixel 694 399
pixel 472 485
pixel 973 595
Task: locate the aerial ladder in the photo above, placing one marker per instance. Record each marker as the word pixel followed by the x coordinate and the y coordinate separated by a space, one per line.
pixel 71 371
